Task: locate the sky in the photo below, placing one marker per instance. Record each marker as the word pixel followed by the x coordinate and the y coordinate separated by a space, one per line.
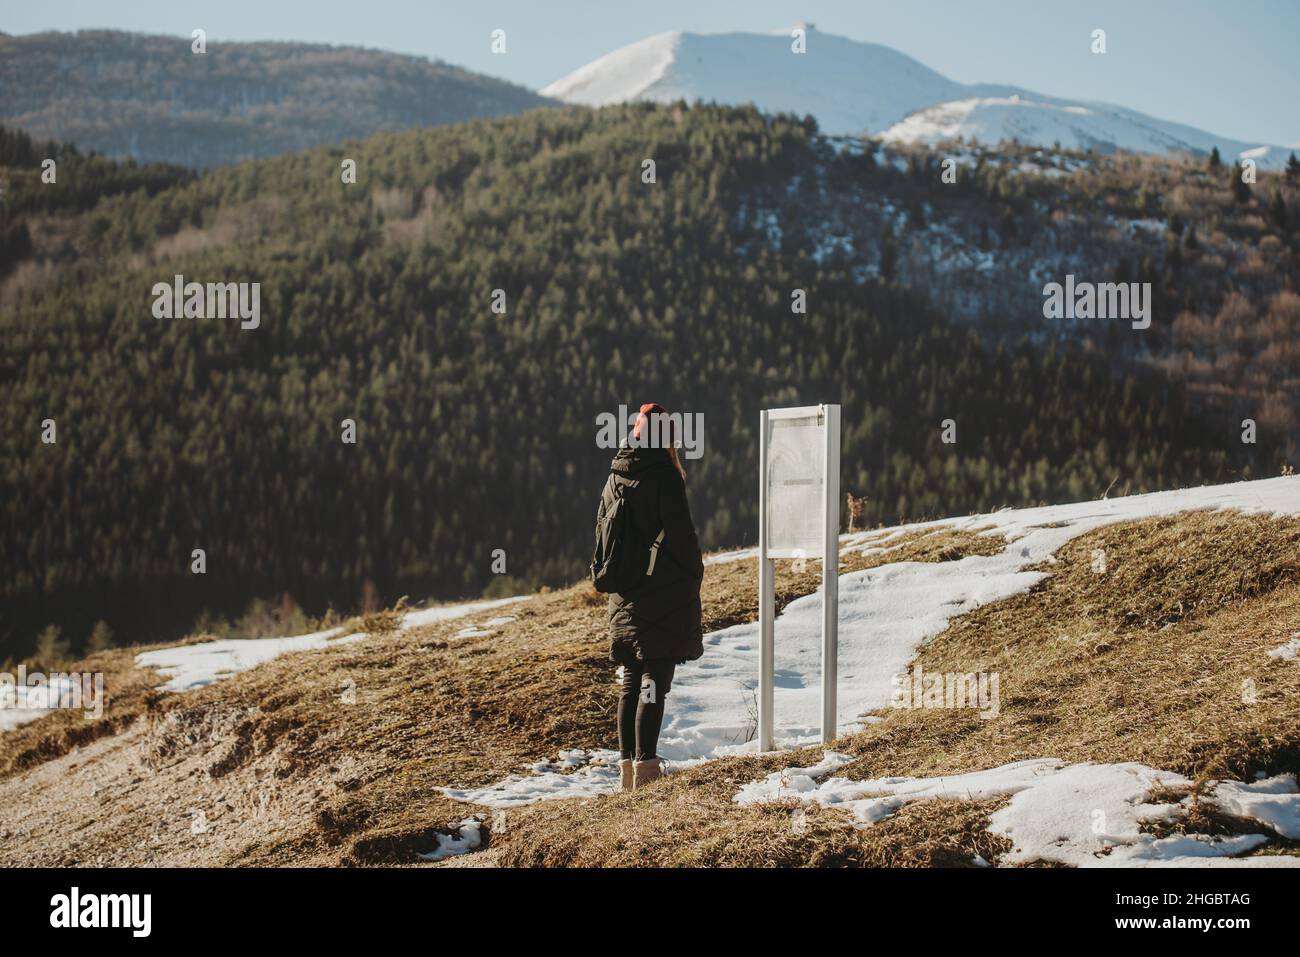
pixel 1229 68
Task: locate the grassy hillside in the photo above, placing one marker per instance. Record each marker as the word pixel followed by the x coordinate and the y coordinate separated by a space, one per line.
pixel 476 431
pixel 1144 663
pixel 152 99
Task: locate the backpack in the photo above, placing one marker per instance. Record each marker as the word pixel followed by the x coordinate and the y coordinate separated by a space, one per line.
pixel 622 560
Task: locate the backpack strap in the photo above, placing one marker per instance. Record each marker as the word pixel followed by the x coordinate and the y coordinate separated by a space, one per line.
pixel 654 551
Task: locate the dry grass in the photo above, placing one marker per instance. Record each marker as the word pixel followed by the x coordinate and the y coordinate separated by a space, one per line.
pixel 129 692
pixel 689 820
pixel 355 783
pixel 383 622
pixel 1143 663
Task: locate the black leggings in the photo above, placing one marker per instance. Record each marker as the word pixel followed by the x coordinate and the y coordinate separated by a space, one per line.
pixel 641 706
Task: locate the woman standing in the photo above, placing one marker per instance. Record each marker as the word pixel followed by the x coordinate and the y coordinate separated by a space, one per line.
pixel 654 621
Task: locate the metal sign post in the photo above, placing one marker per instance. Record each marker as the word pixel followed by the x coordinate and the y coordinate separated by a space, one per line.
pixel 766 601
pixel 831 573
pixel 799 513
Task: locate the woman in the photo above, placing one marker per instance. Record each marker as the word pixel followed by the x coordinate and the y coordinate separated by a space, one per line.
pixel 654 626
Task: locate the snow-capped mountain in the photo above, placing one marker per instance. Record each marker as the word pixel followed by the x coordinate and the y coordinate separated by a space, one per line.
pixel 865 88
pixel 850 87
pixel 1044 121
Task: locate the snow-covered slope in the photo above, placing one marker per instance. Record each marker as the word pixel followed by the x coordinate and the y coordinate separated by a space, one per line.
pixel 864 88
pixel 1044 121
pixel 885 615
pixel 193 666
pixel 1085 814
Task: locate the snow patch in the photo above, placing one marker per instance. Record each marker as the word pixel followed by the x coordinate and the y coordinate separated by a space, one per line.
pixel 20 704
pixel 469 838
pixel 1289 651
pixel 427 616
pixel 1273 802
pixel 1083 815
pixel 874 800
pixel 193 666
pixel 575 773
pixel 489 627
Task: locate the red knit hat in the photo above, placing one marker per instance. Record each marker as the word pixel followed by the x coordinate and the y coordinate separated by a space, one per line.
pixel 643 417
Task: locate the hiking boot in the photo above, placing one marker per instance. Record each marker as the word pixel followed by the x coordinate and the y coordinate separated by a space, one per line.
pixel 643 772
pixel 625 769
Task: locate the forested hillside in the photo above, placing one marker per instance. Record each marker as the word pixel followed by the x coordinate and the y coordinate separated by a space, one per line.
pixel 21 195
pixel 154 98
pixel 477 430
pixel 979 232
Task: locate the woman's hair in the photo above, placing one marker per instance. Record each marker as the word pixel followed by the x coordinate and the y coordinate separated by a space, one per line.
pixel 677 461
pixel 643 419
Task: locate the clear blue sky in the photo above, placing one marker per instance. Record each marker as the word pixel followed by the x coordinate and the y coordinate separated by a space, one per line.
pixel 1228 67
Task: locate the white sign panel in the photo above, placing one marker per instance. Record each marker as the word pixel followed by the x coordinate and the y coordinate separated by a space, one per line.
pixel 796 486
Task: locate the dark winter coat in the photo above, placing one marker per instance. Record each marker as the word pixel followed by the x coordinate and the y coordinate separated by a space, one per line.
pixel 660 619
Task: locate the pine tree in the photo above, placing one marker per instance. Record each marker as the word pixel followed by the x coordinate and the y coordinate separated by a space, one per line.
pixel 888 256
pixel 101 637
pixel 1293 168
pixel 1215 160
pixel 1240 188
pixel 52 649
pixel 1278 210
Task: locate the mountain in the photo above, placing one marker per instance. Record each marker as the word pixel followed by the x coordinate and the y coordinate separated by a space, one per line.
pixel 850 87
pixel 152 98
pixel 855 88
